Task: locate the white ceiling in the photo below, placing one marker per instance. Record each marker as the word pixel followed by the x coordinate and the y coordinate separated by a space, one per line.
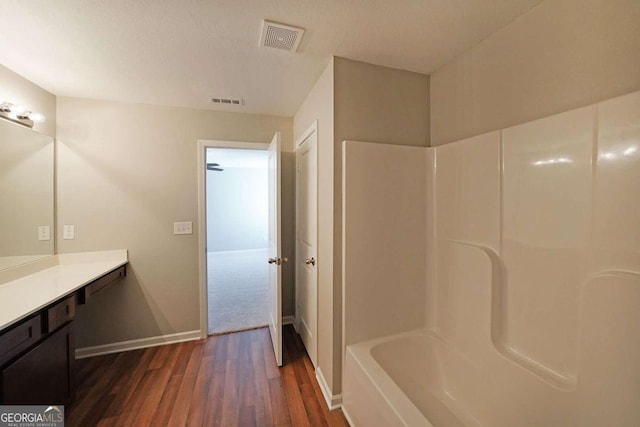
pixel 238 158
pixel 184 52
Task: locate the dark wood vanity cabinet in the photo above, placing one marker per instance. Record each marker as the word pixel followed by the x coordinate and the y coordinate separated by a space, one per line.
pixel 19 338
pixel 58 314
pixel 37 355
pixel 43 375
pixel 99 284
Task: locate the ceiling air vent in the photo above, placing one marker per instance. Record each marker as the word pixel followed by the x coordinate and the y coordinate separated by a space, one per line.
pixel 280 36
pixel 227 101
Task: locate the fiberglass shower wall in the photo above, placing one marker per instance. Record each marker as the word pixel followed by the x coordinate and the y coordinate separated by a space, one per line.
pixel 538 261
pixel 533 261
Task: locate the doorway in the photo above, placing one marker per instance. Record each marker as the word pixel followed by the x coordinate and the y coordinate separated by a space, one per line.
pixel 237 215
pixel 274 259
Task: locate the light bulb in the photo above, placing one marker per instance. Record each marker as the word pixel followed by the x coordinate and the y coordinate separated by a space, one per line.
pixel 37 117
pixel 18 109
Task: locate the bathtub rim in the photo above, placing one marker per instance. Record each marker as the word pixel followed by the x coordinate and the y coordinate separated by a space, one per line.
pixel 397 400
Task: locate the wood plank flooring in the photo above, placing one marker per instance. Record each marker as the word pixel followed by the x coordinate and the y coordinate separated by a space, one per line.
pixel 225 380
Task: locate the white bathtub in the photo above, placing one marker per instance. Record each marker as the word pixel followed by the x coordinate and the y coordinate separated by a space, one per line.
pixel 417 379
pixel 406 380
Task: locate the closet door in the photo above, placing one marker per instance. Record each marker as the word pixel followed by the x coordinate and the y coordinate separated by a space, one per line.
pixel 307 242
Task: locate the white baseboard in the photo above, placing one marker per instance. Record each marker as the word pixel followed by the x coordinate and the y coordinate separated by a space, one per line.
pixel 346 415
pixel 117 347
pixel 333 401
pixel 288 320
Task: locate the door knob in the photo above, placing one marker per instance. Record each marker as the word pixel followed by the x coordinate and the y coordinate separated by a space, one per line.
pixel 277 261
pixel 311 261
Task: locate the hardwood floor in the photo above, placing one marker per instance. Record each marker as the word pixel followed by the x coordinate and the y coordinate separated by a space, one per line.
pixel 225 380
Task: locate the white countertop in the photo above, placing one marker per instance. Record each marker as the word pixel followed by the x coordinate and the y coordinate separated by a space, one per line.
pixel 24 296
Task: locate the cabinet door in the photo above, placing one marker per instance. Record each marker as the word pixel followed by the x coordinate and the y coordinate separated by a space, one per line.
pixel 16 339
pixel 43 376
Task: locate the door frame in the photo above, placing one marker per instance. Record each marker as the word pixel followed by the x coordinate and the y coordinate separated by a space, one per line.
pixel 313 128
pixel 203 144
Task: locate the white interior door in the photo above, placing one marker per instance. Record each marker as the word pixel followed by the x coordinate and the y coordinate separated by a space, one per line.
pixel 306 243
pixel 275 250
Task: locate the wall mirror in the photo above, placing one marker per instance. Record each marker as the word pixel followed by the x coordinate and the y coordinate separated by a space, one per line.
pixel 26 195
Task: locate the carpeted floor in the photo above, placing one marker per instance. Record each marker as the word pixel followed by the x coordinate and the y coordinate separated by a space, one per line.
pixel 238 290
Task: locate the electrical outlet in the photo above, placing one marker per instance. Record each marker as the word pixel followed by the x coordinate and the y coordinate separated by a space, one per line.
pixel 183 227
pixel 69 232
pixel 43 233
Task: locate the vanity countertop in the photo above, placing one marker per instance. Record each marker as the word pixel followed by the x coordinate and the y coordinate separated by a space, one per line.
pixel 26 295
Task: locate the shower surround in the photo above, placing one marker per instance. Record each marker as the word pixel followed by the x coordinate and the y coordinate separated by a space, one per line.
pixel 495 281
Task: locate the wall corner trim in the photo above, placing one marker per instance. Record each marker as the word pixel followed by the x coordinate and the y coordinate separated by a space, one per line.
pixel 334 401
pixel 117 347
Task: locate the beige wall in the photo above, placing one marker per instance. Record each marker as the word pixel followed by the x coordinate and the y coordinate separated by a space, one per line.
pixel 319 106
pixel 561 55
pixel 380 104
pixel 126 172
pixel 19 90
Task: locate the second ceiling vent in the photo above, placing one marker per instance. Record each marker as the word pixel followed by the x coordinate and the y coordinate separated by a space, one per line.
pixel 280 36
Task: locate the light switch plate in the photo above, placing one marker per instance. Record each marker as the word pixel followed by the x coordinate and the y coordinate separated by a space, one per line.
pixel 183 227
pixel 69 232
pixel 43 233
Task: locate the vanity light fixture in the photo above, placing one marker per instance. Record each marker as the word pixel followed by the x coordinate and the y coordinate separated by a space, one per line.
pixel 20 114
